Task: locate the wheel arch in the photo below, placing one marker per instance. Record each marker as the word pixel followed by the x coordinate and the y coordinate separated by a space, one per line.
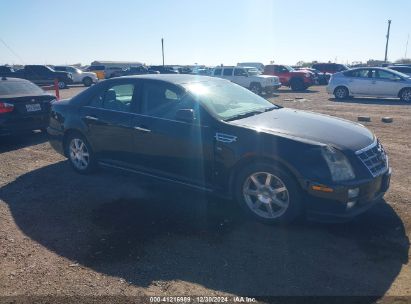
pixel 249 160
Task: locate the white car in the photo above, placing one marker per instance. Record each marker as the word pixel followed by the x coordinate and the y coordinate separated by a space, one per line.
pixel 249 78
pixel 86 78
pixel 371 82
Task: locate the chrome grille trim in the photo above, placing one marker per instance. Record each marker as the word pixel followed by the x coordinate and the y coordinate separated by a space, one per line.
pixel 374 158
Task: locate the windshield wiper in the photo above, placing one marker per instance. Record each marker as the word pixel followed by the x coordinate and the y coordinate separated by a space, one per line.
pixel 244 115
pixel 270 109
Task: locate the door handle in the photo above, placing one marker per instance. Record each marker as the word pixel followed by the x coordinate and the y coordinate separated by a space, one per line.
pixel 88 117
pixel 142 129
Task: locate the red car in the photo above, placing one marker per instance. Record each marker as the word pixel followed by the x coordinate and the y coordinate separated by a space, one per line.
pixel 297 80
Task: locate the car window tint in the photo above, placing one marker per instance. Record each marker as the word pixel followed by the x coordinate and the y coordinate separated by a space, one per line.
pixel 217 72
pixel 269 69
pixel 161 100
pixel 381 74
pixel 19 88
pixel 228 72
pixel 240 72
pixel 362 73
pixel 119 97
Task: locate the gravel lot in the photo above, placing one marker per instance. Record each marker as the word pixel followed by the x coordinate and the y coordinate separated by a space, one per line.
pixel 117 234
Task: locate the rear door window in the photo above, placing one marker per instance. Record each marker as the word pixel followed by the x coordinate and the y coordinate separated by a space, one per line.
pixel 217 72
pixel 228 72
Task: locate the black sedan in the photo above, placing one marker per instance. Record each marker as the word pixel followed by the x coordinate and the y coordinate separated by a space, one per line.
pixel 23 106
pixel 213 135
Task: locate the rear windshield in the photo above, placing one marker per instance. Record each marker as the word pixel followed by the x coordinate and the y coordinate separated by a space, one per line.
pixel 15 88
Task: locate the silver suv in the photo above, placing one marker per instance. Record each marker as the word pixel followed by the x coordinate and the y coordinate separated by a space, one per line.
pixel 248 77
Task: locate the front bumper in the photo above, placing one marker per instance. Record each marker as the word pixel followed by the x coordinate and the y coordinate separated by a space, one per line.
pixel 337 206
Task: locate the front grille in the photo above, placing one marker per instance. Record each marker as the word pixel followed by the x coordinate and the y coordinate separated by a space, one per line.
pixel 374 158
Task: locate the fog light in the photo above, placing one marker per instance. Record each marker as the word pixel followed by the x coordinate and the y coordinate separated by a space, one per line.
pixel 351 204
pixel 353 193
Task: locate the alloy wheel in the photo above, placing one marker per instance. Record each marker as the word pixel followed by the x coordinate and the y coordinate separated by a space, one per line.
pixel 79 154
pixel 266 195
pixel 406 95
pixel 61 84
pixel 340 93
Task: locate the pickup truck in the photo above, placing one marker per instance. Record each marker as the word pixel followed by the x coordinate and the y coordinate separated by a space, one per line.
pixel 39 74
pixel 249 78
pixel 297 80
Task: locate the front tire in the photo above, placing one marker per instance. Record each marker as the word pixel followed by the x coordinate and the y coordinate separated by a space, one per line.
pixel 341 93
pixel 80 154
pixel 268 194
pixel 405 95
pixel 256 88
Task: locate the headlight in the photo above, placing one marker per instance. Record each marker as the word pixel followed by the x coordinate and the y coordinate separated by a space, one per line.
pixel 338 164
pixel 308 75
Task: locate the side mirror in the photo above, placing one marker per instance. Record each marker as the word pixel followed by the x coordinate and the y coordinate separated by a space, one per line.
pixel 186 115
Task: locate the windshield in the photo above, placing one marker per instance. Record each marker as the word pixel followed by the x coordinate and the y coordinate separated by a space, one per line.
pixel 289 68
pixel 253 71
pixel 75 70
pixel 227 100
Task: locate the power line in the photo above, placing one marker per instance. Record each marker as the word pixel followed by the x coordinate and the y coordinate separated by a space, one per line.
pixel 11 50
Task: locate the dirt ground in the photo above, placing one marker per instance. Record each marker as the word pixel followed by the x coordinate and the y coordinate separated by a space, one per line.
pixel 114 234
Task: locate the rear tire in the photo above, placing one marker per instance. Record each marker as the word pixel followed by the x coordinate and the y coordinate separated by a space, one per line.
pixel 273 200
pixel 62 84
pixel 405 95
pixel 87 81
pixel 341 93
pixel 297 84
pixel 80 154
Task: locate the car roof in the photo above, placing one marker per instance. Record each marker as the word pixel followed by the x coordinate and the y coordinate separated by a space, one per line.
pixel 177 79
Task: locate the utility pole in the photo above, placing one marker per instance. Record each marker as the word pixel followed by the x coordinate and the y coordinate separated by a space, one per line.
pixel 388 38
pixel 406 46
pixel 162 48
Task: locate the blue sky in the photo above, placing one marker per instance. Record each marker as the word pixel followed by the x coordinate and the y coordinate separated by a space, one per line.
pixel 205 32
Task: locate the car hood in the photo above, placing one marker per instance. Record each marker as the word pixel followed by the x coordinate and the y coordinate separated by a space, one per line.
pixel 311 127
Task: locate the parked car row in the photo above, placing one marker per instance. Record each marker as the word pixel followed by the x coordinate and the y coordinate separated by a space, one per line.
pixel 39 74
pixel 249 78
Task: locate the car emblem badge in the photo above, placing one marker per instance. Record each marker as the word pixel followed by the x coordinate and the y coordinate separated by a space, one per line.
pixel 226 138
